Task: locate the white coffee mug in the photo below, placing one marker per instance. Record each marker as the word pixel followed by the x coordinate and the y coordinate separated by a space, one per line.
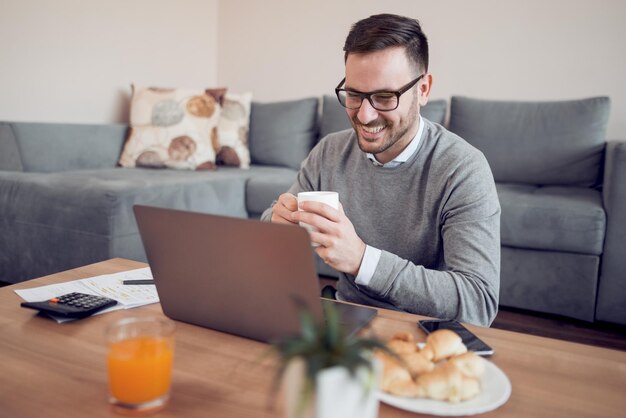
pixel 330 198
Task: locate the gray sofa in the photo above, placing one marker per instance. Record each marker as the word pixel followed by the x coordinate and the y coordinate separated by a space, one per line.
pixel 563 198
pixel 65 203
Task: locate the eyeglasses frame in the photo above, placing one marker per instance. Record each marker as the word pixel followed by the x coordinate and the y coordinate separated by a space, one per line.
pixel 367 96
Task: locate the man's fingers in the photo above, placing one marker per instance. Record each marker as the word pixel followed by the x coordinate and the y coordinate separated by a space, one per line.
pixel 284 207
pixel 321 209
pixel 323 224
pixel 317 237
pixel 289 201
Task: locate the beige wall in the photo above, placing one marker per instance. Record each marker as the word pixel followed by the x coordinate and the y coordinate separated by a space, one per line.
pixel 496 49
pixel 74 60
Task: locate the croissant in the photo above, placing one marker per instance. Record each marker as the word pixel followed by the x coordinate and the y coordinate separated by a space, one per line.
pixel 469 364
pixel 398 373
pixel 414 374
pixel 447 384
pixel 443 344
pixel 403 336
pixel 417 363
pixel 398 381
pixel 402 343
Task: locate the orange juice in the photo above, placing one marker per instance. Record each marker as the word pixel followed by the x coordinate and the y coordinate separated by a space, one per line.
pixel 140 368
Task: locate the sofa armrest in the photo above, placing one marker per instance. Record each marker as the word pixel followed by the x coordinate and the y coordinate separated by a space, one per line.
pixel 611 305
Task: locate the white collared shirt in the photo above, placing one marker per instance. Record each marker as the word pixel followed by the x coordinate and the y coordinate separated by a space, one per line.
pixel 372 255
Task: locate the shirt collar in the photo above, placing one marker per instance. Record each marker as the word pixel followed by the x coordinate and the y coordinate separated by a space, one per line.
pixel 405 154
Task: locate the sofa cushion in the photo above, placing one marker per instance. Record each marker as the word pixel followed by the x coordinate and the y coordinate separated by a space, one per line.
pixel 283 133
pixel 57 221
pixel 549 281
pixel 100 201
pixel 10 159
pixel 62 220
pixel 233 128
pixel 265 187
pixel 568 219
pixel 174 128
pixel 435 111
pixel 52 147
pixel 548 143
pixel 334 118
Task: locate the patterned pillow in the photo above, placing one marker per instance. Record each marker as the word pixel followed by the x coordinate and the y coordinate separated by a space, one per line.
pixel 179 128
pixel 232 130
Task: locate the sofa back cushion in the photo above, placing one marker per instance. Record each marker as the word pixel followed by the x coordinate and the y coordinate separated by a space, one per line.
pixel 282 133
pixel 334 116
pixel 435 111
pixel 52 147
pixel 544 143
pixel 10 159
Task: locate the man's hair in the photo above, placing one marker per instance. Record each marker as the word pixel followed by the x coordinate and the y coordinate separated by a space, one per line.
pixel 387 30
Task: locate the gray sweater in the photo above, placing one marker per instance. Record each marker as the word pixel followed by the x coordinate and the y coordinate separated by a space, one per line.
pixel 436 219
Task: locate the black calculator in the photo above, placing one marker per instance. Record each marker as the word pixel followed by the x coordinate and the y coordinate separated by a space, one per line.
pixel 72 305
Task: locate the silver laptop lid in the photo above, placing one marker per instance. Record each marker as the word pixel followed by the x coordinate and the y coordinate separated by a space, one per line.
pixel 234 275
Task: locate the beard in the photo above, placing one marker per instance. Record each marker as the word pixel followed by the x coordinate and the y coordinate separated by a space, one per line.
pixel 393 131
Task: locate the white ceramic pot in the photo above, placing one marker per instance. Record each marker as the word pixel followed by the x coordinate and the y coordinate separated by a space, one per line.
pixel 337 394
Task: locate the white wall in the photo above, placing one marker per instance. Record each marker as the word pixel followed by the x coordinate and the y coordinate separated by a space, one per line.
pixel 496 49
pixel 74 60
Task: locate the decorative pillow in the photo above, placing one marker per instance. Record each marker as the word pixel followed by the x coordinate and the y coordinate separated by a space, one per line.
pixel 232 130
pixel 181 128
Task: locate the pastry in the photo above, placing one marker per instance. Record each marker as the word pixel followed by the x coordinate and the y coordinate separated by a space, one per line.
pixel 443 344
pixel 447 384
pixel 402 343
pixel 402 385
pixel 413 373
pixel 417 364
pixel 469 364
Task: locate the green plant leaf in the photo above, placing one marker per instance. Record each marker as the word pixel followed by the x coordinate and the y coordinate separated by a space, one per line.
pixel 334 331
pixel 323 344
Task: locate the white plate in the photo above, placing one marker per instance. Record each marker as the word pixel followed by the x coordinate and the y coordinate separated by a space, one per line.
pixel 495 391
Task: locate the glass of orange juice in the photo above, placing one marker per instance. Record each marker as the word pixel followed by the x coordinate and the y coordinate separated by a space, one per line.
pixel 139 362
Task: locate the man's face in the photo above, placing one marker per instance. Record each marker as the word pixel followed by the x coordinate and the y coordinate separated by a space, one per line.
pixel 384 134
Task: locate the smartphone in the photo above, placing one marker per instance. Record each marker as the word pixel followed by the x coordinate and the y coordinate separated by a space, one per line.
pixel 471 341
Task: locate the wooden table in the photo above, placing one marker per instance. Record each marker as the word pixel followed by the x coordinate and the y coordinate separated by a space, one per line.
pixel 58 370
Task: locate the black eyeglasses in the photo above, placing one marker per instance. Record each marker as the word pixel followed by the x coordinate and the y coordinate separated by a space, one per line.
pixel 383 101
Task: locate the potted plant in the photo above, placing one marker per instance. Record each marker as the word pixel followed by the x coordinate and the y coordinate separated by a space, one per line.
pixel 326 373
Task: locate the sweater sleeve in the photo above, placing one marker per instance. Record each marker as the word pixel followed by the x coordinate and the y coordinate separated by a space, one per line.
pixel 468 289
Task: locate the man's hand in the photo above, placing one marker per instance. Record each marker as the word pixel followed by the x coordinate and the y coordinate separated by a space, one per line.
pixel 284 207
pixel 339 245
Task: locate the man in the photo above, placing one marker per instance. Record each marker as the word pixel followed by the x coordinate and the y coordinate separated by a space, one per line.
pixel 418 228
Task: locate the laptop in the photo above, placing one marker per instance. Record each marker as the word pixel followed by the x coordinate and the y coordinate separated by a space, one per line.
pixel 235 275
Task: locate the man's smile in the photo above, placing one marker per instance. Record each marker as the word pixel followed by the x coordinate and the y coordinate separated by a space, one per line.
pixel 372 132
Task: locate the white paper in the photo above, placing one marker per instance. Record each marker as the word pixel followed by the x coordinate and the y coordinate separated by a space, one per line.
pixel 112 286
pixel 107 285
